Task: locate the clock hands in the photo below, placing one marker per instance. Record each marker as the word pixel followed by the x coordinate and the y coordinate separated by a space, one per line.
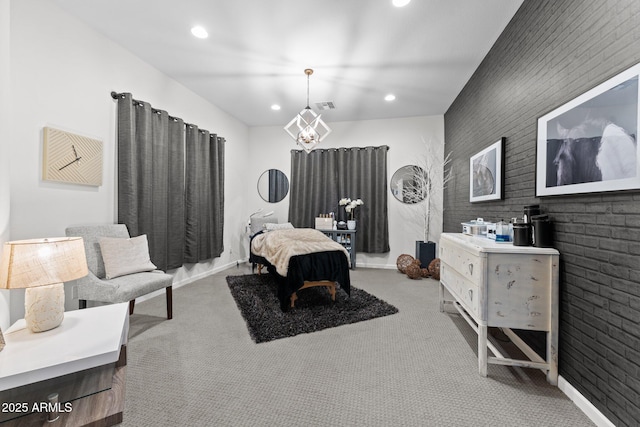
pixel 70 163
pixel 75 153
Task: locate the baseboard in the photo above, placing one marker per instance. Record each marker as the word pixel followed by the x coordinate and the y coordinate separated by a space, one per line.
pixel 583 404
pixel 188 280
pixel 204 274
pixel 379 266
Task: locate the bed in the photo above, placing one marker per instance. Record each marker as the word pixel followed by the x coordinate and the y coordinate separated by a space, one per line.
pixel 300 258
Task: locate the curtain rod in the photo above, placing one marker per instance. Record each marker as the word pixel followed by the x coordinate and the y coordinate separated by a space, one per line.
pixel 386 147
pixel 116 95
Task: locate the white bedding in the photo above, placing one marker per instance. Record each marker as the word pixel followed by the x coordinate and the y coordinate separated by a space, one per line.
pixel 278 246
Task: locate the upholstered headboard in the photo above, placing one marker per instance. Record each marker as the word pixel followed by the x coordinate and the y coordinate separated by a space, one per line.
pixel 257 224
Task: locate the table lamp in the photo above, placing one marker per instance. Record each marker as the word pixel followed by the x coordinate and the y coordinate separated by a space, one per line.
pixel 40 266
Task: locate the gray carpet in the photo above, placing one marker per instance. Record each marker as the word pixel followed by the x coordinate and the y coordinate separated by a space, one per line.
pixel 256 297
pixel 415 368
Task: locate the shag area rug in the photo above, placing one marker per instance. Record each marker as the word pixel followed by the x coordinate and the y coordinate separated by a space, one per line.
pixel 256 298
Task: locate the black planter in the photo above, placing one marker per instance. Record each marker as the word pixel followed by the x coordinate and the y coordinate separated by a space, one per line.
pixel 425 252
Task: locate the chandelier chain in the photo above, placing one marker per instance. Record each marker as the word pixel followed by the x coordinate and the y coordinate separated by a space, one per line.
pixel 308 72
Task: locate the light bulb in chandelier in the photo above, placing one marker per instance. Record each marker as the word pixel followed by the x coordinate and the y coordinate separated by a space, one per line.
pixel 307 136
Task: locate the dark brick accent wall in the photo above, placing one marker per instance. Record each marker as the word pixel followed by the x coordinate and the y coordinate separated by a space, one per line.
pixel 551 52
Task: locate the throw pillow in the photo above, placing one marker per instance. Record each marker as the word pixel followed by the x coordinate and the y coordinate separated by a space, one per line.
pixel 125 256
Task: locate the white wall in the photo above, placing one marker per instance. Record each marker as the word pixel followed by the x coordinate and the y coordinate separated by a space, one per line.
pixel 270 148
pixel 5 138
pixel 62 73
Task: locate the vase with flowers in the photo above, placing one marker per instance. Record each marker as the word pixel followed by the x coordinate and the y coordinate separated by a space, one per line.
pixel 350 208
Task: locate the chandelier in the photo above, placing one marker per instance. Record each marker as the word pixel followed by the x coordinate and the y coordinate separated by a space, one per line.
pixel 307 128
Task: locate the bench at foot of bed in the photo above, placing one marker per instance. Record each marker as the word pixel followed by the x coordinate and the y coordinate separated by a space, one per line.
pixel 331 286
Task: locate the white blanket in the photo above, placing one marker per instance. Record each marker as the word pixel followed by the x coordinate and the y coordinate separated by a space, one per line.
pixel 278 246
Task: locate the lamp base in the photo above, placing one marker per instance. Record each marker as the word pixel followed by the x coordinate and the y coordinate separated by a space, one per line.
pixel 44 307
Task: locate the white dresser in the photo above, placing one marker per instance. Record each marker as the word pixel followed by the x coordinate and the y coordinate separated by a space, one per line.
pixel 501 285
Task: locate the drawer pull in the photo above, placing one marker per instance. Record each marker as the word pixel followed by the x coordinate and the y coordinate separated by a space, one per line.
pixel 53 411
pixel 471 294
pixel 471 269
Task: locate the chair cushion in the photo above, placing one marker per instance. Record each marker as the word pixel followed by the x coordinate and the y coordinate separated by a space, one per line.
pixel 133 286
pixel 123 288
pixel 125 256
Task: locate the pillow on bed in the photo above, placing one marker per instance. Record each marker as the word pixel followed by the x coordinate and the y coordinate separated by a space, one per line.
pixel 270 226
pixel 123 256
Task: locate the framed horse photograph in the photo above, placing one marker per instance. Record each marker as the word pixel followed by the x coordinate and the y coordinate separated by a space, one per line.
pixel 486 173
pixel 590 143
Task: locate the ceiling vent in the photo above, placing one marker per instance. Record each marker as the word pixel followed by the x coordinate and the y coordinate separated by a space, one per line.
pixel 327 105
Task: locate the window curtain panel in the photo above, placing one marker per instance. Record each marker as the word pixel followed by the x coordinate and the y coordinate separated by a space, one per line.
pixel 321 178
pixel 204 195
pixel 151 179
pixel 170 184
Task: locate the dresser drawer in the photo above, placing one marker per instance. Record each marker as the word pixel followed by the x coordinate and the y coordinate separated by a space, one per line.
pixel 467 264
pixel 519 295
pixel 466 292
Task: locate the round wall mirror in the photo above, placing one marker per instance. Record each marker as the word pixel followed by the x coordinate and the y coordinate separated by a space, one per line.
pixel 409 184
pixel 273 185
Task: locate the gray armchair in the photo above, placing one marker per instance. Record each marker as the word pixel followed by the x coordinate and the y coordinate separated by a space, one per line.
pixel 95 286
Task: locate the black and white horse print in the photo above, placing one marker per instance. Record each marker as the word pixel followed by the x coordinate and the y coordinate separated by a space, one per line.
pixel 595 150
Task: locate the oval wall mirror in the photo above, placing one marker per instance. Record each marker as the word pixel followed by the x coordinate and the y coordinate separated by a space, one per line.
pixel 409 184
pixel 273 185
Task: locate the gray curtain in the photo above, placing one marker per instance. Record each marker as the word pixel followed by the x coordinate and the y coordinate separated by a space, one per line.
pixel 322 177
pixel 204 195
pixel 173 194
pixel 150 182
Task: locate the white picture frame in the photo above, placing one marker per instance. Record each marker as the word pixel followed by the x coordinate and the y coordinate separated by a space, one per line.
pixel 486 173
pixel 589 144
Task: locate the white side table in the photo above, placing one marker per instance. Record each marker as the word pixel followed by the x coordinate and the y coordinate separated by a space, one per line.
pixel 75 371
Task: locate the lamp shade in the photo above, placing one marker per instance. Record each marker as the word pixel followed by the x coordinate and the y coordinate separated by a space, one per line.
pixel 40 262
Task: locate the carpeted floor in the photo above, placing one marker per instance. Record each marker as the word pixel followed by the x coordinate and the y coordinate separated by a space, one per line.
pixel 314 311
pixel 415 368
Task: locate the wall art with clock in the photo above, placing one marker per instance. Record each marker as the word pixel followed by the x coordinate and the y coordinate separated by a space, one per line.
pixel 68 157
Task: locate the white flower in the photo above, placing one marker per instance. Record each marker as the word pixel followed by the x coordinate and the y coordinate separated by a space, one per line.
pixel 350 205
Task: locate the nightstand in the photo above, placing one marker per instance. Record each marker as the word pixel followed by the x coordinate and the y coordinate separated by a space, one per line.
pixel 75 372
pixel 346 238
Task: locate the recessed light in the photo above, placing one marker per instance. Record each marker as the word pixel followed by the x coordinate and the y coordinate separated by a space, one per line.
pixel 275 107
pixel 390 97
pixel 400 3
pixel 199 32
